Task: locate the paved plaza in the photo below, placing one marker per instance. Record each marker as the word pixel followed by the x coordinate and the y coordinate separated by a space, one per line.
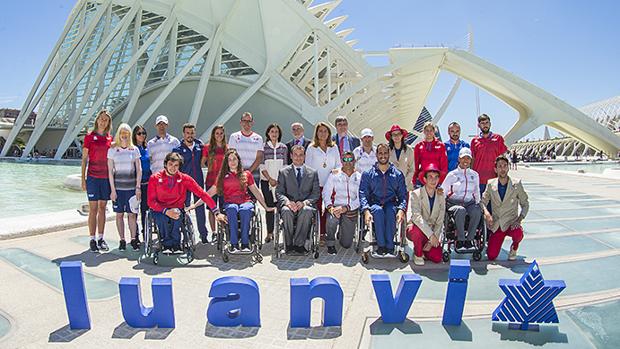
pixel 572 231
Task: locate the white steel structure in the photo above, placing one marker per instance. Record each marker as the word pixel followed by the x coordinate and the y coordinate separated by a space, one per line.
pixel 204 61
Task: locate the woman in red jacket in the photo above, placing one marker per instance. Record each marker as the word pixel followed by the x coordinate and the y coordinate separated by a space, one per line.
pixel 430 151
pixel 167 190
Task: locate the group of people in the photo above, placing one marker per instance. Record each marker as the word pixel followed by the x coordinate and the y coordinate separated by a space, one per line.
pixel 341 179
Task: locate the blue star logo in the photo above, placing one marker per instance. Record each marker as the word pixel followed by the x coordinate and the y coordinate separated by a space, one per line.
pixel 529 299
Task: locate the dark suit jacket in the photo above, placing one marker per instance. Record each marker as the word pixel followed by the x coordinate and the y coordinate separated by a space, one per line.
pixel 290 145
pixel 354 142
pixel 288 190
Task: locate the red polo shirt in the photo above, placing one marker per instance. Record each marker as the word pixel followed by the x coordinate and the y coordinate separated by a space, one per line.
pixel 426 153
pixel 485 151
pixel 97 146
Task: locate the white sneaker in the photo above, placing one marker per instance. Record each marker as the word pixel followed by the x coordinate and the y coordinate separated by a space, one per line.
pixel 418 260
pixel 512 255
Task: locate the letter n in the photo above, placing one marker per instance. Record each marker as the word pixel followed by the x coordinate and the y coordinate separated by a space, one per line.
pixel 302 293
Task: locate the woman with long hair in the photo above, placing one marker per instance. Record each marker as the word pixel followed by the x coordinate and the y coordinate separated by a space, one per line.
pixel 125 174
pixel 323 156
pixel 212 158
pixel 95 177
pixel 429 151
pixel 401 154
pixel 233 186
pixel 274 159
pixel 138 137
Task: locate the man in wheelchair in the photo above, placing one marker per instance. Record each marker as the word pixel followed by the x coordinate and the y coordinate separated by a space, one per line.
pixel 297 194
pixel 463 199
pixel 341 200
pixel 167 191
pixel 383 199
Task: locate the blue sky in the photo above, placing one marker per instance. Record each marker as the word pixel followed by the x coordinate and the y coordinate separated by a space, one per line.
pixel 568 48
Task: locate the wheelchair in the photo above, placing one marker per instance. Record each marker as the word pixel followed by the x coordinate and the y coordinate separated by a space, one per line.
pixel 450 237
pixel 400 241
pixel 312 241
pixel 152 238
pixel 255 235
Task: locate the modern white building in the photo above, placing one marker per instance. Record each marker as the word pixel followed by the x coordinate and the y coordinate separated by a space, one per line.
pixel 206 61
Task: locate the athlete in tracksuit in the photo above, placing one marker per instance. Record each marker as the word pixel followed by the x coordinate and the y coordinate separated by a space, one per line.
pixel 463 198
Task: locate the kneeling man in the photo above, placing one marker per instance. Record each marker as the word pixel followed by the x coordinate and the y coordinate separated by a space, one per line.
pixel 505 197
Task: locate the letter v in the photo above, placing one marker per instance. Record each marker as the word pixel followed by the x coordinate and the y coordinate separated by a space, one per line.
pixel 394 309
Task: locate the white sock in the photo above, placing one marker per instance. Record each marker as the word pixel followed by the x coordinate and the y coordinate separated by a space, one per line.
pixel 92 237
pixel 100 236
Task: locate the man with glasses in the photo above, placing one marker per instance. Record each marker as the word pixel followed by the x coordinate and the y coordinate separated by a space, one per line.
pixel 249 145
pixel 341 200
pixel 343 140
pixel 297 129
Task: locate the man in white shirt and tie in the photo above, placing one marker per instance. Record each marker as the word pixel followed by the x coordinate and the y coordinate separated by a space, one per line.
pixel 297 129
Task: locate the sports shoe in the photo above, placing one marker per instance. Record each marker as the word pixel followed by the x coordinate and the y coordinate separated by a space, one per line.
pixel 331 250
pixel 468 245
pixel 245 248
pixel 512 255
pixel 381 251
pixel 459 245
pixel 93 246
pixel 135 244
pixel 103 245
pixel 234 248
pixel 122 245
pixel 203 239
pixel 418 260
pixel 390 252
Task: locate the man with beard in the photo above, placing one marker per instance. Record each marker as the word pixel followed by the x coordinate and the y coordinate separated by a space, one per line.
pixel 485 148
pixel 505 197
pixel 383 199
pixel 454 145
pixel 191 152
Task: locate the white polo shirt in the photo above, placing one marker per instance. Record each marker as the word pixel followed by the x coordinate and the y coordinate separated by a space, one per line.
pixel 246 146
pixel 363 160
pixel 158 148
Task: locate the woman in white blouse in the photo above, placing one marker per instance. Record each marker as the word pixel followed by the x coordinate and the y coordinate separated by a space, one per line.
pixel 323 156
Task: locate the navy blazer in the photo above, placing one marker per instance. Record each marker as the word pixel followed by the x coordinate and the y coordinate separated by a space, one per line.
pixel 354 142
pixel 290 145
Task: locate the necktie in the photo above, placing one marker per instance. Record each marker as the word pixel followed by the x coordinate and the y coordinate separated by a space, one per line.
pixel 298 142
pixel 298 177
pixel 341 146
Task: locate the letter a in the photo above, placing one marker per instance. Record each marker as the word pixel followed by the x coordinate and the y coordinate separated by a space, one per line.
pixel 236 301
pixel 394 309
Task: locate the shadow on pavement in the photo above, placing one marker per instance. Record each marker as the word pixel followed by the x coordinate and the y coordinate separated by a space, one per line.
pixel 65 335
pixel 124 331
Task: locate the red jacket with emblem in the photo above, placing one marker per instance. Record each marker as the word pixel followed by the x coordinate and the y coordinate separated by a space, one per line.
pixel 169 191
pixel 426 153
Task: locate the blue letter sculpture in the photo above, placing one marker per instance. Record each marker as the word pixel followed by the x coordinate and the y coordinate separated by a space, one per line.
pixel 394 309
pixel 138 316
pixel 75 295
pixel 528 300
pixel 236 302
pixel 302 293
pixel 457 290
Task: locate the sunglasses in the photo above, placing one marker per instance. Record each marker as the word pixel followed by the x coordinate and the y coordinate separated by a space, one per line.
pixel 347 159
pixel 140 133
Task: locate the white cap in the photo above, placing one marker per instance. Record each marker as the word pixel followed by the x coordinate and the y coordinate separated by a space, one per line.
pixel 161 118
pixel 464 152
pixel 134 204
pixel 367 132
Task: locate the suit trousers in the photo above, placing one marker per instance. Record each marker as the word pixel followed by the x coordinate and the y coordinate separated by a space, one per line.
pixel 460 211
pixel 297 234
pixel 346 225
pixel 497 239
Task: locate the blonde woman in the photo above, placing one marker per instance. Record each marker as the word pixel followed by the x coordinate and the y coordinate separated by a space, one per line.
pixel 124 174
pixel 95 177
pixel 323 156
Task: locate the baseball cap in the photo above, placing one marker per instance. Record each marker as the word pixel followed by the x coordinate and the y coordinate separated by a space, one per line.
pixel 464 152
pixel 367 132
pixel 134 204
pixel 161 118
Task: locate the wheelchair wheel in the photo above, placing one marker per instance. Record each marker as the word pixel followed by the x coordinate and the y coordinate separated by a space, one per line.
pixel 190 255
pixel 156 258
pixel 445 256
pixel 477 255
pixel 259 258
pixel 148 235
pixel 316 254
pixel 403 257
pixel 225 257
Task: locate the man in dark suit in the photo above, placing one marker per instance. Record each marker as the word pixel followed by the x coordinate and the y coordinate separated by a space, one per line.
pixel 297 193
pixel 343 140
pixel 297 129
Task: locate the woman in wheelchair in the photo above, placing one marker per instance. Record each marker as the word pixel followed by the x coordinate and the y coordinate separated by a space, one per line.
pixel 234 186
pixel 167 190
